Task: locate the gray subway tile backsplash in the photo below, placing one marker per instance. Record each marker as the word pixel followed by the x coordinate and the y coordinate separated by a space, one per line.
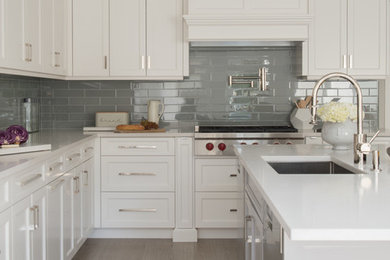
pixel 204 96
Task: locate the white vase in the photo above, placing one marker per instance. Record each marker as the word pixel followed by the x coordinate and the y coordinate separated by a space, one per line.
pixel 339 135
pixel 300 118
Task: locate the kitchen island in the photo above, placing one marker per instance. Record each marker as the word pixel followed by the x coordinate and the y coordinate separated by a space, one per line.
pixel 323 216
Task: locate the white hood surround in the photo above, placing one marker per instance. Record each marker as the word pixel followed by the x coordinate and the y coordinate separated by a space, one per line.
pixel 247 28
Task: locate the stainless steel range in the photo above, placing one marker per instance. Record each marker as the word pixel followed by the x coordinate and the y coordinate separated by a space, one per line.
pixel 219 140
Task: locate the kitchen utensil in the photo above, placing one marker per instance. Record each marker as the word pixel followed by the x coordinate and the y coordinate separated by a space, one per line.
pixel 308 101
pixel 155 110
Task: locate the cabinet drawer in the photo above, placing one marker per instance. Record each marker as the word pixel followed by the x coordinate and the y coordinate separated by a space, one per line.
pixel 88 150
pixel 137 146
pixel 72 158
pixel 218 175
pixel 135 210
pixel 219 210
pixel 54 168
pixel 138 173
pixel 27 181
pixel 5 193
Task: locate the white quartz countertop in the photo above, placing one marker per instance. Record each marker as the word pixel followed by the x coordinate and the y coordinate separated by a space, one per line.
pixel 337 207
pixel 57 139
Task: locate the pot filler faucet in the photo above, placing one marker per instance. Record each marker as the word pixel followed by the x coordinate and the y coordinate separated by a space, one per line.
pixel 360 145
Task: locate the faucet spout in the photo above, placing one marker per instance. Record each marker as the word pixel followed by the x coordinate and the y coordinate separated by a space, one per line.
pixel 360 138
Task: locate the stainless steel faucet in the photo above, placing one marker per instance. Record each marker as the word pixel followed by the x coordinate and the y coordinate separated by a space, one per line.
pixel 360 146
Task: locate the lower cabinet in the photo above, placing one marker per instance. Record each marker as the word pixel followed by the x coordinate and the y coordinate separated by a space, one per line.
pixel 29 227
pixel 138 210
pixel 6 235
pixel 87 174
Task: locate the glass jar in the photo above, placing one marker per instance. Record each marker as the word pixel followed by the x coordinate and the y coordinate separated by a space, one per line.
pixel 31 113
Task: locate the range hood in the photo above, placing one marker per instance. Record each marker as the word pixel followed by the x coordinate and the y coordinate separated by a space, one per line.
pixel 250 29
pixel 200 44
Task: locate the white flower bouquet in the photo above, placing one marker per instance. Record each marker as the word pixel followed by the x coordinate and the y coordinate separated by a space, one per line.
pixel 337 112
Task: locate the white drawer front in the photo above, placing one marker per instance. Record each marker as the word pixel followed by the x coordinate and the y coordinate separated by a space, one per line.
pixel 135 210
pixel 219 210
pixel 218 175
pixel 88 150
pixel 138 173
pixel 72 158
pixel 54 168
pixel 27 181
pixel 137 146
pixel 5 194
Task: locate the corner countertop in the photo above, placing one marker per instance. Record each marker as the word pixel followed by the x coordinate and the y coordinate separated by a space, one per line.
pixel 57 138
pixel 350 207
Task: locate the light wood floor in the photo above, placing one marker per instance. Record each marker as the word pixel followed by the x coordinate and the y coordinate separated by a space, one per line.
pixel 160 249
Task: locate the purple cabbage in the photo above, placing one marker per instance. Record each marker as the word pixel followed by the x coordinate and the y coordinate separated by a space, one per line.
pixel 6 138
pixel 16 134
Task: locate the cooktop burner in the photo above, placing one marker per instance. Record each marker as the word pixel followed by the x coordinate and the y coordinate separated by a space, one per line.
pixel 247 129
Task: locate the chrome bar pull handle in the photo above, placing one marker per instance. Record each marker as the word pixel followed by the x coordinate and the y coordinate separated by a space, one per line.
pixel 86 179
pixel 136 174
pixel 350 61
pixel 263 84
pixel 54 186
pixel 344 61
pixel 28 180
pixel 233 175
pixel 73 156
pixel 137 210
pixel 137 147
pixel 35 211
pixel 233 210
pixel 143 62
pixel 105 62
pixel 149 63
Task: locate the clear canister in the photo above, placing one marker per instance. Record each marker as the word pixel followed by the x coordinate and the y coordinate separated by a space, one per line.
pixel 31 113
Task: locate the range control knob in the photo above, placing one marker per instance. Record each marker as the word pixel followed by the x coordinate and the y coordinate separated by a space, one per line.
pixel 276 142
pixel 255 143
pixel 222 146
pixel 243 143
pixel 209 146
pixel 289 142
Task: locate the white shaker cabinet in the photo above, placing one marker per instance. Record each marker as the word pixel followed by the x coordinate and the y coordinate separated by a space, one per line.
pixel 21 28
pixel 5 235
pixel 164 38
pixel 348 36
pixel 134 39
pixel 90 38
pixel 55 192
pixel 127 38
pixel 77 206
pixel 29 227
pixel 54 15
pixel 87 195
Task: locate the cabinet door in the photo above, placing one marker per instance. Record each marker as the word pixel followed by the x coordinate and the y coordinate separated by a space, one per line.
pixel 5 235
pixel 164 38
pixel 32 30
pixel 38 236
pixel 54 219
pixel 87 188
pixel 127 38
pixel 54 31
pixel 90 38
pixel 13 50
pixel 22 226
pixel 328 37
pixel 77 206
pixel 367 37
pixel 3 60
pixel 67 237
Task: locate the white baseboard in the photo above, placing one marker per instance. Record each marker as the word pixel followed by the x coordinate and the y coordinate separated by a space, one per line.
pixel 185 235
pixel 225 233
pixel 131 233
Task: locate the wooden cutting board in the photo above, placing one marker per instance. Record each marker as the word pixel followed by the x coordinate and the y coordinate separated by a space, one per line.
pixel 160 130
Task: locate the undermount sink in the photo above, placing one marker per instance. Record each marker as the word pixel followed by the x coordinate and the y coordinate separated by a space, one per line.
pixel 323 167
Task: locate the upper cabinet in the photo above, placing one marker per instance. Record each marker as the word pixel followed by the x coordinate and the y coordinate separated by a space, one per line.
pixel 348 36
pixel 248 7
pixel 90 38
pixel 128 39
pixel 54 35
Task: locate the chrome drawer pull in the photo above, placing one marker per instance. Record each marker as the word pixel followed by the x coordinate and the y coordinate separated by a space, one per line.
pixel 35 210
pixel 233 175
pixel 137 210
pixel 26 181
pixel 233 210
pixel 136 174
pixel 54 186
pixel 137 147
pixel 55 166
pixel 77 185
pixel 88 149
pixel 73 156
pixel 86 181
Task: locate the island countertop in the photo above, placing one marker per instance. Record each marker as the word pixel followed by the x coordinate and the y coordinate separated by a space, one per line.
pixel 322 207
